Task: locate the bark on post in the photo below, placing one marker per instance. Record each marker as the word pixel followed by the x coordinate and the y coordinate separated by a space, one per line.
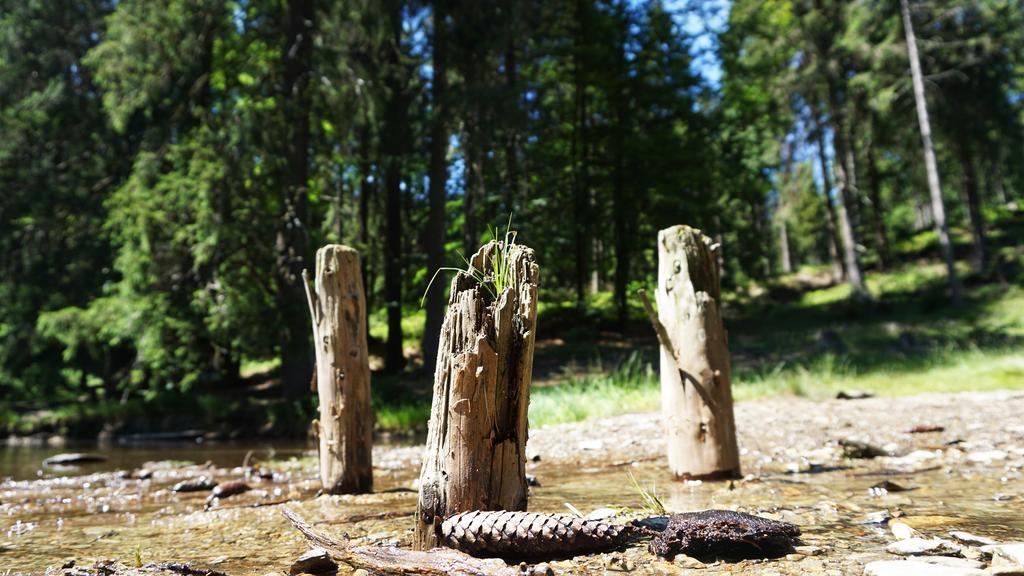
pixel 697 413
pixel 476 443
pixel 345 428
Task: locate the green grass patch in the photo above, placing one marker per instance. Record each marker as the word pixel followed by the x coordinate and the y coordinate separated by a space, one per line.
pixel 633 387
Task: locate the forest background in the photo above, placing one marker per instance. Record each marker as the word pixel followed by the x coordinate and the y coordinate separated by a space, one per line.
pixel 169 167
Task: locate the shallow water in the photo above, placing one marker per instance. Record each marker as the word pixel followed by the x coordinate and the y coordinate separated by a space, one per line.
pixel 95 513
pixel 99 515
pixel 25 462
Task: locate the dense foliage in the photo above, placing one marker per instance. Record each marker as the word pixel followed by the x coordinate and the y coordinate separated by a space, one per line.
pixel 169 167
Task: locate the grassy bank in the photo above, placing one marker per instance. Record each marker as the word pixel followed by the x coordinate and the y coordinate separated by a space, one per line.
pixel 818 342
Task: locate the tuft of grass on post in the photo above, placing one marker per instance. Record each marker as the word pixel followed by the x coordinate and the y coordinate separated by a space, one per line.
pixel 502 273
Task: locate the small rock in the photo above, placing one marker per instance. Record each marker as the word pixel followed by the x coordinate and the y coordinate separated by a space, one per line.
pixel 986 456
pixel 922 522
pixel 602 514
pixel 219 560
pixel 1008 559
pixel 854 395
pixel 360 572
pixel 858 449
pixel 809 550
pixel 971 539
pixel 73 458
pixel 314 561
pixel 197 484
pixel 229 489
pixel 879 517
pixel 902 531
pixel 925 429
pixel 923 547
pixel 531 480
pixel 951 562
pixel 884 487
pixel 684 561
pixel 916 568
pixel 620 564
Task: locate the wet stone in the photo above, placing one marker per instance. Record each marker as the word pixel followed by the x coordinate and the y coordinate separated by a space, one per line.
pixel 951 562
pixel 861 450
pixel 197 484
pixel 971 539
pixel 923 547
pixel 72 459
pixel 689 562
pixel 902 531
pixel 1008 559
pixel 987 456
pixel 314 561
pixel 916 568
pixel 879 517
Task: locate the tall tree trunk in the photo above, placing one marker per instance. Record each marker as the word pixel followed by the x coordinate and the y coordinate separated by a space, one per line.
pixel 581 199
pixel 512 116
pixel 392 149
pixel 292 237
pixel 786 256
pixel 366 192
pixel 622 205
pixel 972 197
pixel 845 175
pixel 438 186
pixel 472 137
pixel 838 271
pixel 875 192
pixel 931 167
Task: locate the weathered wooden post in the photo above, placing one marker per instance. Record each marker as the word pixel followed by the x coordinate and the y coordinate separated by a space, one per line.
pixel 696 391
pixel 476 441
pixel 342 379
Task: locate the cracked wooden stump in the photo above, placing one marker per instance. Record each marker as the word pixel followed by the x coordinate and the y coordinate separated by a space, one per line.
pixel 337 305
pixel 696 389
pixel 476 443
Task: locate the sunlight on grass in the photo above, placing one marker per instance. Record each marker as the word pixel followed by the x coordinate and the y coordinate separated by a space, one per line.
pixel 636 389
pixel 402 417
pixel 631 388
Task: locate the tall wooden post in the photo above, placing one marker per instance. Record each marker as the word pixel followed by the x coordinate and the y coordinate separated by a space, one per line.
pixel 476 442
pixel 338 308
pixel 696 392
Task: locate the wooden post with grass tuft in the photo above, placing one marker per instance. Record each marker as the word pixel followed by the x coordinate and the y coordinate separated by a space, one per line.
pixel 696 389
pixel 476 443
pixel 337 305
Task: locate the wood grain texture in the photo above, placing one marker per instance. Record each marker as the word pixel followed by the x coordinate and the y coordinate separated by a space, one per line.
pixel 345 428
pixel 476 442
pixel 701 436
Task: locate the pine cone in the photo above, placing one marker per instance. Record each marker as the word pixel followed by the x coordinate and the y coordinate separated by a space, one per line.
pixel 529 535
